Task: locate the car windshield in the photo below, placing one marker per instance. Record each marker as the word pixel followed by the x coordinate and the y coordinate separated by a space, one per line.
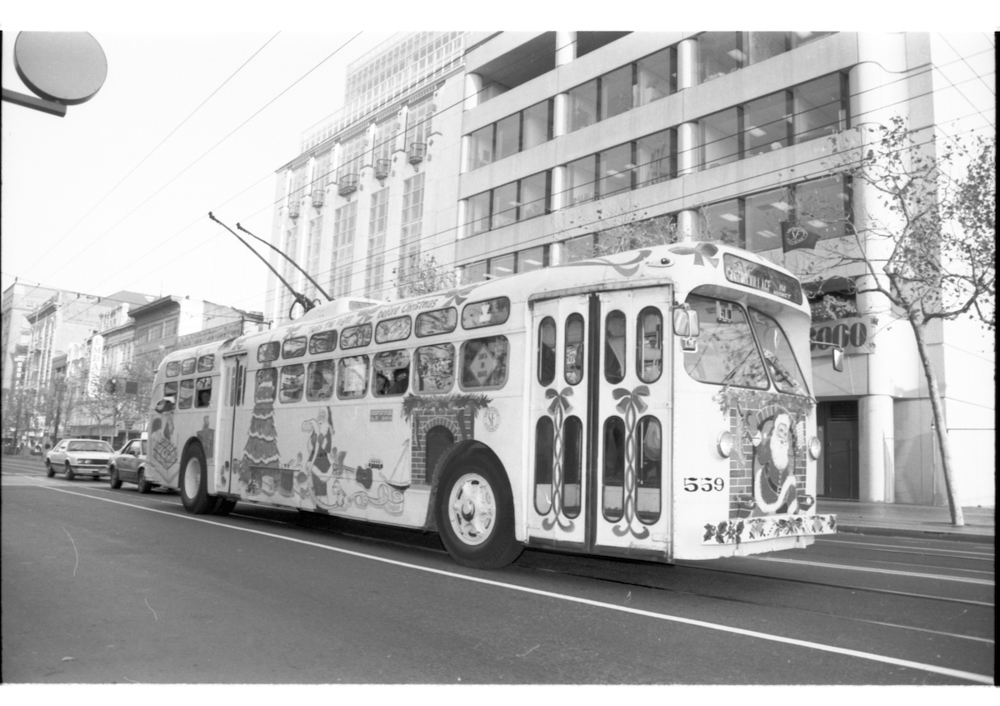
pixel 778 354
pixel 89 446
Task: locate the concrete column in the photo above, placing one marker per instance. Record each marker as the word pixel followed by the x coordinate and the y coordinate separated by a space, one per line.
pixel 687 148
pixel 473 85
pixel 876 449
pixel 687 63
pixel 555 254
pixel 558 200
pixel 687 226
pixel 565 47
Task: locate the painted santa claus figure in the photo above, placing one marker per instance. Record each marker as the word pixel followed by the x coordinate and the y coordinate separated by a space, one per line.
pixel 774 472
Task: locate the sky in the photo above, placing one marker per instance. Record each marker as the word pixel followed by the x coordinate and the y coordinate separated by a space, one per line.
pixel 116 194
pixel 203 103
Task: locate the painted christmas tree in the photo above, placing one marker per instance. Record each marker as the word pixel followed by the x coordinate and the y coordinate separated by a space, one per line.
pixel 262 441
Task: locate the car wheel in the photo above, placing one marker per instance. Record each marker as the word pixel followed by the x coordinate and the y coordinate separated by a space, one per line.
pixel 144 485
pixel 49 470
pixel 115 481
pixel 475 516
pixel 69 472
pixel 193 482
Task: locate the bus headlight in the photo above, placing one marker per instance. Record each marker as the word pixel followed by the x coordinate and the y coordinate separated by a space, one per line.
pixel 814 448
pixel 724 445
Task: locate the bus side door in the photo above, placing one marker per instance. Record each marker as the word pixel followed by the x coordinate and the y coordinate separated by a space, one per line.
pixel 629 512
pixel 556 483
pixel 234 373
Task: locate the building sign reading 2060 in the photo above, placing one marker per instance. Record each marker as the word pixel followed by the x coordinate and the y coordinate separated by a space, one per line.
pixel 755 276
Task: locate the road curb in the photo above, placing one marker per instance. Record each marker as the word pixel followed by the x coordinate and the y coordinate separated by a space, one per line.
pixel 920 534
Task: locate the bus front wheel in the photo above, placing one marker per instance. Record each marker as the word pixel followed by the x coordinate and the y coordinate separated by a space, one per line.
pixel 194 482
pixel 475 516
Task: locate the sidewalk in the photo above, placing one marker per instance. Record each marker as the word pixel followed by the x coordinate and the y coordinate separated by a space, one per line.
pixel 910 520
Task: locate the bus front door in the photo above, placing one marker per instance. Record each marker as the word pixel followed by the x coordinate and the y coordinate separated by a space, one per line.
pixel 557 473
pixel 629 512
pixel 234 369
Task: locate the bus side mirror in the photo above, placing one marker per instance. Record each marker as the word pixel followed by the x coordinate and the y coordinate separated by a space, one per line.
pixel 686 323
pixel 838 359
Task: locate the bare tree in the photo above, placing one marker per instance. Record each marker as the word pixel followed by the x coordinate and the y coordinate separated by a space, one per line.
pixel 423 275
pixel 928 241
pixel 623 228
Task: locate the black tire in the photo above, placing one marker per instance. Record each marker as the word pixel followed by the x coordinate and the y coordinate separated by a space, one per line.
pixel 113 478
pixel 475 516
pixel 69 472
pixel 145 486
pixel 49 470
pixel 193 482
pixel 224 507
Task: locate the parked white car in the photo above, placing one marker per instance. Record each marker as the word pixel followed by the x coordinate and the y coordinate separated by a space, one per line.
pixel 129 465
pixel 79 457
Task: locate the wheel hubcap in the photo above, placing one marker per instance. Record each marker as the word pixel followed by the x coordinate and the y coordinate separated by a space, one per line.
pixel 192 478
pixel 473 509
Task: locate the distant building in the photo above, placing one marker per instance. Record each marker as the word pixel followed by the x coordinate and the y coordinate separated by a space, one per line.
pixel 19 300
pixel 375 189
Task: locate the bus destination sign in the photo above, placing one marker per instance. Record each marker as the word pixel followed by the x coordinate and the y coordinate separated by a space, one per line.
pixel 761 277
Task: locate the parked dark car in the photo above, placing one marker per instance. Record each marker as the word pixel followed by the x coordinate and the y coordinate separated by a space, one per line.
pixel 129 466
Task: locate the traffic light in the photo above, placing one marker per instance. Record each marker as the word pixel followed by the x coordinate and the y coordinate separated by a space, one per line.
pixel 111 385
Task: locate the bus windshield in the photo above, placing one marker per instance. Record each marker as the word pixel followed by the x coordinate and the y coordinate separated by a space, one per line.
pixel 727 355
pixel 778 356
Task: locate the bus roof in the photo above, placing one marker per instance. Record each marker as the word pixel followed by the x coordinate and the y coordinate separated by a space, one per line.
pixel 682 265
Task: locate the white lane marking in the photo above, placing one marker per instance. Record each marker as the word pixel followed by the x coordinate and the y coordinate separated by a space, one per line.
pixel 945 671
pixel 74 550
pixel 847 567
pixel 986 554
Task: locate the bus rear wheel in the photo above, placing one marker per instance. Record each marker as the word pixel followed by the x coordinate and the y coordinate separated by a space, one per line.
pixel 194 482
pixel 475 516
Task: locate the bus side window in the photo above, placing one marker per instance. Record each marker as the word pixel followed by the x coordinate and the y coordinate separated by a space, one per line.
pixel 435 368
pixel 352 380
pixel 292 381
pixel 392 373
pixel 203 398
pixel 170 391
pixel 613 502
pixel 547 351
pixel 649 345
pixel 187 394
pixel 649 453
pixel 484 362
pixel 573 365
pixel 320 380
pixel 614 347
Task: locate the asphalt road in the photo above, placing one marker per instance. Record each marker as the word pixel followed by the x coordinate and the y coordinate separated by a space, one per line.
pixel 103 586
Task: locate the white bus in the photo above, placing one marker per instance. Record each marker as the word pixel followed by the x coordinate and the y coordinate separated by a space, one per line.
pixel 652 404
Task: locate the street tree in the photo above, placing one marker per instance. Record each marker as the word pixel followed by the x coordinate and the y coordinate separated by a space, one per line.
pixel 925 240
pixel 423 275
pixel 623 228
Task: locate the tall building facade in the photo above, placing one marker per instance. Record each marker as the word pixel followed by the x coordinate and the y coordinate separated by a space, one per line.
pixel 547 144
pixel 726 136
pixel 375 190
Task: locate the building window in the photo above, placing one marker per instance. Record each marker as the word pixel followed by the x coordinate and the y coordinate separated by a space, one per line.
pixel 509 203
pixel 312 253
pixel 756 222
pixel 656 157
pixel 385 139
pixel 350 156
pixel 582 106
pixel 504 205
pixel 820 107
pixel 719 53
pixel 616 92
pixel 413 214
pixel 342 262
pixel 418 127
pixel 767 123
pixel 508 136
pixel 764 45
pixel 321 171
pixel 479 213
pixel 377 224
pixel 656 76
pixel 720 138
pixel 615 168
pixel 581 179
pixel 513 134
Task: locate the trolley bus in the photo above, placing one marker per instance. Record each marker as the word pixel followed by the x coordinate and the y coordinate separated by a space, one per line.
pixel 652 404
